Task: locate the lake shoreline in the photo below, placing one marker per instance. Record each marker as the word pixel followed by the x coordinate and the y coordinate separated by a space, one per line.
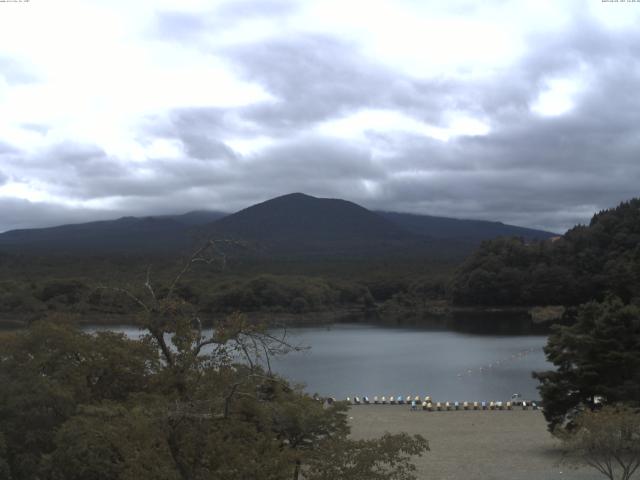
pixel 508 320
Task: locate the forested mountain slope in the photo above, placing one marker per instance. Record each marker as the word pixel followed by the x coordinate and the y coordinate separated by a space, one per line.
pixel 587 263
pixel 158 234
pixel 294 226
pixel 471 230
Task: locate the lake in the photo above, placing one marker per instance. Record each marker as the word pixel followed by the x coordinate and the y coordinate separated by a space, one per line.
pixel 372 359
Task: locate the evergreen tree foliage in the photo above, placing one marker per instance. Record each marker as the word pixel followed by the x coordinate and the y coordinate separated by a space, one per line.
pixel 585 264
pixel 597 358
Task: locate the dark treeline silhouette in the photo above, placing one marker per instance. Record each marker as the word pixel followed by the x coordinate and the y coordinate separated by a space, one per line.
pixel 587 263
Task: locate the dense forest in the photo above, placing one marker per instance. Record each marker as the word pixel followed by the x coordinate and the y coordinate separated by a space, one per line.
pixel 33 287
pixel 587 263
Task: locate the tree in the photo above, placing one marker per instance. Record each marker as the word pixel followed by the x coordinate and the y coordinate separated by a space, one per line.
pixel 607 440
pixel 596 358
pixel 5 473
pixel 48 372
pixel 386 458
pixel 586 263
pixel 178 404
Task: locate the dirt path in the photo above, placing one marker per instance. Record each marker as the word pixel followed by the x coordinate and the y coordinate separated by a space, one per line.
pixel 470 445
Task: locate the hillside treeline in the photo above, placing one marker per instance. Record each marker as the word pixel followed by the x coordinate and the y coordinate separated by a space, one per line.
pixel 588 262
pixel 269 293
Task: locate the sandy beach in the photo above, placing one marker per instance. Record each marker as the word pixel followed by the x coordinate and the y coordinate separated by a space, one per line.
pixel 469 445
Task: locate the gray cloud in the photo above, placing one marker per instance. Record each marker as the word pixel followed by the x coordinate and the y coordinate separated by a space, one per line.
pixel 316 77
pixel 200 130
pixel 5 148
pixel 19 213
pixel 178 26
pixel 546 172
pixel 237 10
pixel 15 72
pixel 181 26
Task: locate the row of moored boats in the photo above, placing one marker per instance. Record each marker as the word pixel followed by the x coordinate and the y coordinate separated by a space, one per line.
pixel 427 404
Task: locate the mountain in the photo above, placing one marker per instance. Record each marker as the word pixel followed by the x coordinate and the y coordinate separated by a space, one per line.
pixel 471 230
pixel 160 234
pixel 301 224
pixel 296 225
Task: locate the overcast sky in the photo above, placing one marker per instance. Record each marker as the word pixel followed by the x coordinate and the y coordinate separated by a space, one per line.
pixel 527 112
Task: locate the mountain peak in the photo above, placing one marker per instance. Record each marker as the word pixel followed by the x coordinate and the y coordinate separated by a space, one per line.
pixel 294 196
pixel 298 222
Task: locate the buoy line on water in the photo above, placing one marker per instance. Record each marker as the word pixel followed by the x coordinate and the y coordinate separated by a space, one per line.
pixel 495 364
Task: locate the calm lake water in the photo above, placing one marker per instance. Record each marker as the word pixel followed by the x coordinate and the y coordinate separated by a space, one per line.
pixel 357 359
